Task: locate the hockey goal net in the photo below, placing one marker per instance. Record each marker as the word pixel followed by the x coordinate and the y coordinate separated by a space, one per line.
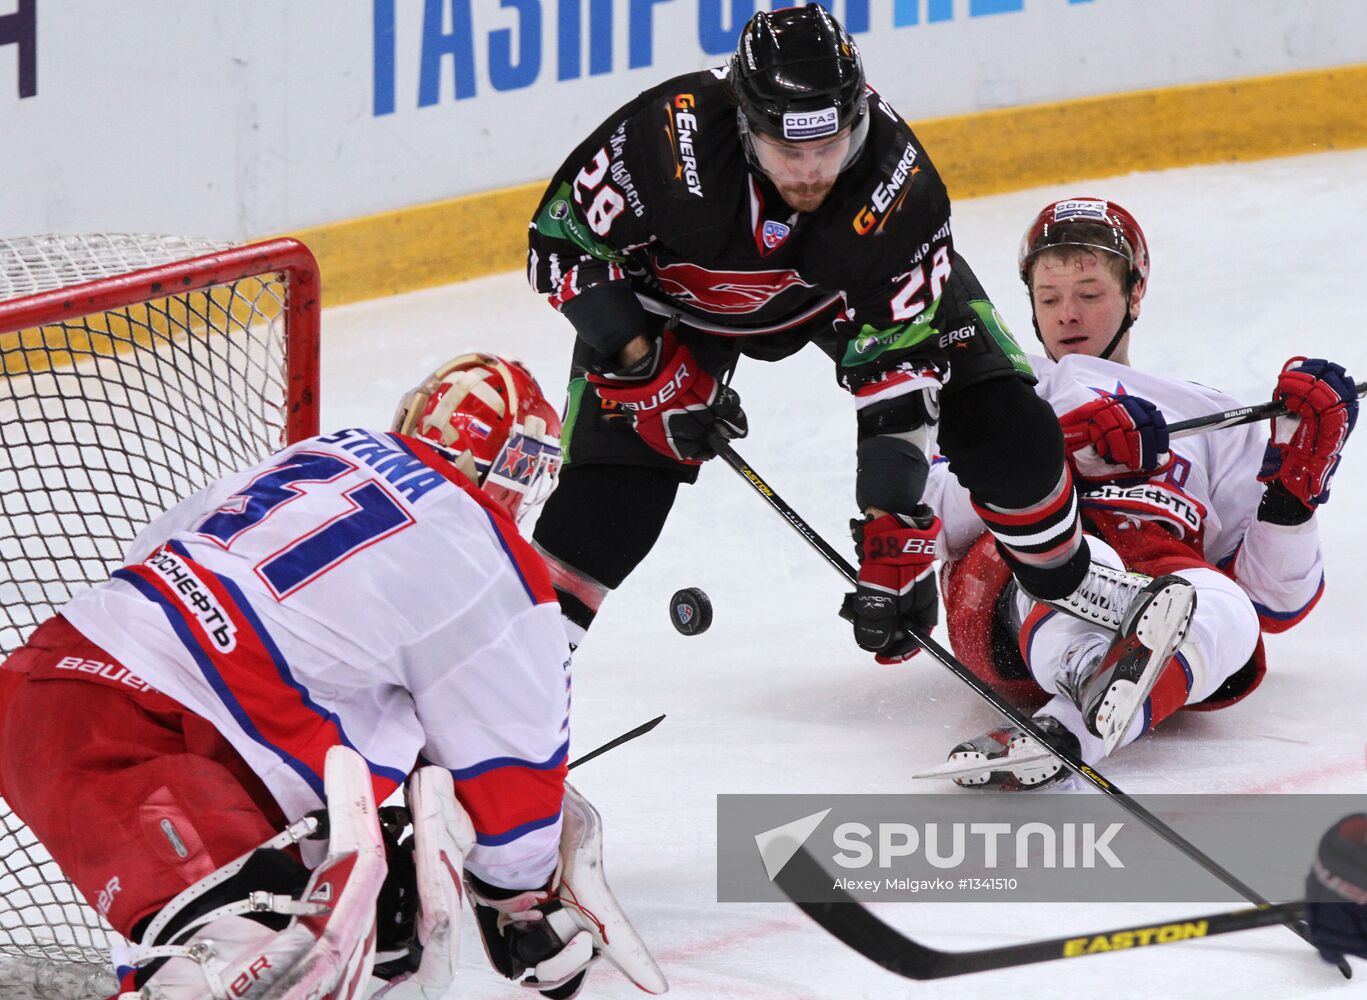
pixel 135 370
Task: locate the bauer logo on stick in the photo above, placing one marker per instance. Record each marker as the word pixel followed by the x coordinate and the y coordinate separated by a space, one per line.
pixel 690 611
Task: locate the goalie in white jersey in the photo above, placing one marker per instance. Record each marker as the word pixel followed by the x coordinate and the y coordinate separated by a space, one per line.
pixel 1232 512
pixel 360 590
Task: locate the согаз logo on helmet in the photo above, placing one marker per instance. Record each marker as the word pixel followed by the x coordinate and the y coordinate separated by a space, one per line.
pixel 811 124
pixel 1072 210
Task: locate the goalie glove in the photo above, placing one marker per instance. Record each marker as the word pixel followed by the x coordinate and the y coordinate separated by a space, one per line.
pixel 556 933
pixel 1322 408
pixel 674 403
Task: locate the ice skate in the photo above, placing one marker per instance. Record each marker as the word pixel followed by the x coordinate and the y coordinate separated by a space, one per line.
pixel 1103 596
pixel 1008 758
pixel 1113 692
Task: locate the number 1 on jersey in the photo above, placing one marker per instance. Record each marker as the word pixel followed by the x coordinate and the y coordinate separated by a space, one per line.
pixel 373 515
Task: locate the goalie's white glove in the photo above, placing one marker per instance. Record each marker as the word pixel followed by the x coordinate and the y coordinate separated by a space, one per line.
pixel 558 932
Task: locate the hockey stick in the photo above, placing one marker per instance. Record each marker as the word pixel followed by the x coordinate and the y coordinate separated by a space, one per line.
pixel 942 656
pixel 1235 417
pixel 626 737
pixel 851 923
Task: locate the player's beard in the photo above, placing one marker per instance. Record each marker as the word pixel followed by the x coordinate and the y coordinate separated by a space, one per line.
pixel 805 197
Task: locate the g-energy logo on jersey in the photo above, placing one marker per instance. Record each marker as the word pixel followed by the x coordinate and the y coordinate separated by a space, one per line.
pixel 888 195
pixel 681 124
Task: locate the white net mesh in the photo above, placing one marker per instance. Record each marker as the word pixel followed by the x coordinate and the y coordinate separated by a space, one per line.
pixel 35 264
pixel 106 420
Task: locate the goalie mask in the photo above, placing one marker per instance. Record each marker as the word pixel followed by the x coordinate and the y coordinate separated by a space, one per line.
pixel 491 413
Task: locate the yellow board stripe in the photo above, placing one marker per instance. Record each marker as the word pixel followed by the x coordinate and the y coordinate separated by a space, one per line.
pixel 1227 122
pixel 987 153
pixel 173 318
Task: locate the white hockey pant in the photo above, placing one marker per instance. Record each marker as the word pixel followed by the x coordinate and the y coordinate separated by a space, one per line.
pixel 1222 637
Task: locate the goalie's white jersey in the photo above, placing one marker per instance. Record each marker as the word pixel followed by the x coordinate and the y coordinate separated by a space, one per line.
pixel 355 589
pixel 1210 495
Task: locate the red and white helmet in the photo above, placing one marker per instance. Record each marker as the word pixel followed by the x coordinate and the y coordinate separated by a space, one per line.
pixel 1055 226
pixel 491 413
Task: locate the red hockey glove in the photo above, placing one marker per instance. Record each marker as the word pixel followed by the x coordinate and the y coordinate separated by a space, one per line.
pixel 1116 437
pixel 896 586
pixel 1336 891
pixel 1322 407
pixel 674 403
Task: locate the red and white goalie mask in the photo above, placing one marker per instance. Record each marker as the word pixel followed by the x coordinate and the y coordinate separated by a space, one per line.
pixel 491 413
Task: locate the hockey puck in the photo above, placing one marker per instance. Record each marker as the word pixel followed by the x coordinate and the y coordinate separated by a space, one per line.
pixel 690 611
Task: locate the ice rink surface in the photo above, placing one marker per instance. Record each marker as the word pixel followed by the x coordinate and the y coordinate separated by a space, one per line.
pixel 1252 263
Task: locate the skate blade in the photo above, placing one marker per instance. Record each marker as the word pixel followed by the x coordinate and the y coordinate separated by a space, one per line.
pixel 966 767
pixel 1161 629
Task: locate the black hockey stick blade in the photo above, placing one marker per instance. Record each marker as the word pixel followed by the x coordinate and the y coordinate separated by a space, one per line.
pixel 1235 417
pixel 626 737
pixel 852 923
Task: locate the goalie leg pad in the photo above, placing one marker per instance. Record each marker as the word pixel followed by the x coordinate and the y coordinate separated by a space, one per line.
pixel 338 965
pixel 443 835
pixel 327 949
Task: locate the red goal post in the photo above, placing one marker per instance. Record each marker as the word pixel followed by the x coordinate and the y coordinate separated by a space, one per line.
pixel 134 369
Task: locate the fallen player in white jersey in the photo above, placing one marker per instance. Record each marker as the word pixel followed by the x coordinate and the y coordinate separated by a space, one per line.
pixel 356 614
pixel 1228 516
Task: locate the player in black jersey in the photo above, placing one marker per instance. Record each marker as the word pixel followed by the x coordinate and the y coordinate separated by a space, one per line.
pixel 750 210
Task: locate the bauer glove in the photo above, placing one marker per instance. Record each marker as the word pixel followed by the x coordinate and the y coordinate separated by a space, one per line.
pixel 896 584
pixel 1116 437
pixel 1322 407
pixel 557 932
pixel 674 403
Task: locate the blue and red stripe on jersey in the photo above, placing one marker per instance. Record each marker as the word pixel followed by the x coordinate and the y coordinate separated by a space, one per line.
pixel 1270 620
pixel 508 797
pixel 526 562
pixel 253 680
pixel 1279 621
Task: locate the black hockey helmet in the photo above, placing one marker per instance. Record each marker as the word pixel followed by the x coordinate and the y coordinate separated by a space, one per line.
pixel 797 76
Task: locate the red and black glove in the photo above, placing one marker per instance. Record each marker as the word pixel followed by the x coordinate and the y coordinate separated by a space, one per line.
pixel 674 403
pixel 1336 891
pixel 1116 437
pixel 1322 407
pixel 896 586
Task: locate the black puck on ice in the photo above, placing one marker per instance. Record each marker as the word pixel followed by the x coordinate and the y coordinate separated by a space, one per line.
pixel 690 611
